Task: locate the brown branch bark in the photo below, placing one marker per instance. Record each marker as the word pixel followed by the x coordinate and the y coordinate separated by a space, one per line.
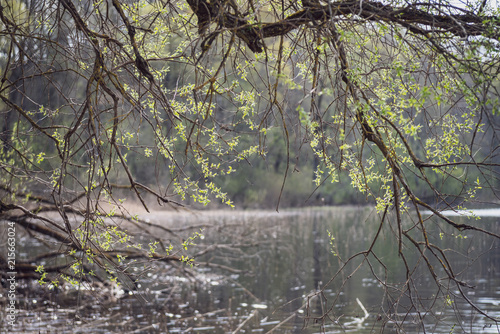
pixel 421 20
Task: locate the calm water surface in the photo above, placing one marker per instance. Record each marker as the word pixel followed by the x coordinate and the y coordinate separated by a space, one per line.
pixel 263 271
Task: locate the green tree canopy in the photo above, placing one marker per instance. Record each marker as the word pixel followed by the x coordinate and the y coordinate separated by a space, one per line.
pixel 104 101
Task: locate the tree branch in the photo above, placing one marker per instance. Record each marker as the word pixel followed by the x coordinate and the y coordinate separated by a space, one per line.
pixel 418 21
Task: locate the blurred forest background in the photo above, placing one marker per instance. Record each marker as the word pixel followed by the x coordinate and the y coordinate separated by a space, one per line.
pixel 282 168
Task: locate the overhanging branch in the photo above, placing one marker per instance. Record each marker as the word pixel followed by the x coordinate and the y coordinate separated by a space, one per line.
pixel 432 20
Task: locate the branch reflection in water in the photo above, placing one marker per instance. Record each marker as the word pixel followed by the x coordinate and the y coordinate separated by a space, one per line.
pixel 264 271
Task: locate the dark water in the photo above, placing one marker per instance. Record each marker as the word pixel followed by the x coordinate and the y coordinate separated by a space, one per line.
pixel 263 271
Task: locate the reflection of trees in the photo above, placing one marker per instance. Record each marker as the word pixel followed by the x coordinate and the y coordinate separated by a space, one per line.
pixel 317 252
pixel 375 270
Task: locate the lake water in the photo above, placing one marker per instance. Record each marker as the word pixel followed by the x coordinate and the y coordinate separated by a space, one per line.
pixel 261 271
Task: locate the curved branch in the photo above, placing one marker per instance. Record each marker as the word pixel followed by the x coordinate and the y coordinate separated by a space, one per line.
pixel 421 22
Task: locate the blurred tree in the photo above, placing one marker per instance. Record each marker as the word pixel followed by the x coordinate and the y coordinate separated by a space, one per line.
pixel 168 98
